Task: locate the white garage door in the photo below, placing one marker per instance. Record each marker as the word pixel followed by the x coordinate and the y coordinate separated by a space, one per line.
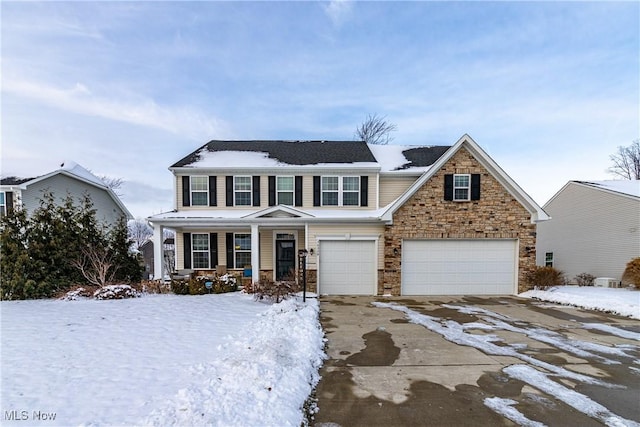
pixel 459 267
pixel 347 267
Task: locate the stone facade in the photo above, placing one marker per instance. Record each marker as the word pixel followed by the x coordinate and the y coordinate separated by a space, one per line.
pixel 426 215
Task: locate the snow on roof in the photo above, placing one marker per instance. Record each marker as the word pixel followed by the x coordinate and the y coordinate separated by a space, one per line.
pixel 406 158
pixel 628 187
pixel 217 159
pixel 77 170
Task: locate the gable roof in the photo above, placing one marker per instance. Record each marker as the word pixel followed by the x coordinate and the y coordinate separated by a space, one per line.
pixel 623 188
pixel 75 171
pixel 297 153
pixel 537 213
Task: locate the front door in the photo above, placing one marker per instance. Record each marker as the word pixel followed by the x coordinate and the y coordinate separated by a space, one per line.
pixel 285 259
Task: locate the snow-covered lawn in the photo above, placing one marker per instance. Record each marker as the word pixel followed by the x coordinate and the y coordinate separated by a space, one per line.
pixel 622 301
pixel 159 360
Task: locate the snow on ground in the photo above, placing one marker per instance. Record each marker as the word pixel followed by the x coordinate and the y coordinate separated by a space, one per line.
pixel 159 360
pixel 622 301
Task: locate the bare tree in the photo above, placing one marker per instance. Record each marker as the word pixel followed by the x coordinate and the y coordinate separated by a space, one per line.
pixel 626 162
pixel 139 232
pixel 115 184
pixel 375 130
pixel 97 265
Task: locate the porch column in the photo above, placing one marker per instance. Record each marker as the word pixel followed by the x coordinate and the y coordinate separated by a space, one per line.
pixel 255 254
pixel 158 252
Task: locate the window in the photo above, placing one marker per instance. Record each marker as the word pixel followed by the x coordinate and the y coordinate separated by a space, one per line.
pixel 548 259
pixel 461 187
pixel 3 204
pixel 200 191
pixel 284 190
pixel 242 190
pixel 242 249
pixel 200 250
pixel 340 191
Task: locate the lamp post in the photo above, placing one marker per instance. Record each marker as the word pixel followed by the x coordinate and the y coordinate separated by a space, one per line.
pixel 302 264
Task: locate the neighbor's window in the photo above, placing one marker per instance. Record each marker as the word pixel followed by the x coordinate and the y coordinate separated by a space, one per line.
pixel 548 259
pixel 200 250
pixel 242 249
pixel 199 191
pixel 242 190
pixel 461 187
pixel 351 191
pixel 330 190
pixel 284 190
pixel 3 205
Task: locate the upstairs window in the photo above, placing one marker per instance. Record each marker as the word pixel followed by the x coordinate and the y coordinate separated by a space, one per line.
pixel 548 259
pixel 284 190
pixel 330 190
pixel 461 187
pixel 3 204
pixel 340 191
pixel 351 191
pixel 200 191
pixel 242 190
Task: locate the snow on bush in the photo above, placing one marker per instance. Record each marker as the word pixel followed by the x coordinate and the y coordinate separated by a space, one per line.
pixel 116 292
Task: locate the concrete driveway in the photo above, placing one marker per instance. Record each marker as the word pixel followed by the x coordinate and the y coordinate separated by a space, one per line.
pixel 475 361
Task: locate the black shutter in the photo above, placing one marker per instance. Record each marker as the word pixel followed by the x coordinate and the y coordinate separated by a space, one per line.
pixel 364 191
pixel 272 190
pixel 316 191
pixel 187 250
pixel 229 250
pixel 475 186
pixel 298 191
pixel 186 192
pixel 213 191
pixel 229 190
pixel 213 250
pixel 9 201
pixel 256 191
pixel 448 187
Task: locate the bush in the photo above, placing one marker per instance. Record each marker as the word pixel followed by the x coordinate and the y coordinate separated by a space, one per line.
pixel 544 277
pixel 273 291
pixel 116 292
pixel 631 273
pixel 198 285
pixel 584 279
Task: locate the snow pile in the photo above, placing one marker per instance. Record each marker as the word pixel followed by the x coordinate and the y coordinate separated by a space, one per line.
pixel 265 378
pixel 116 292
pixel 623 301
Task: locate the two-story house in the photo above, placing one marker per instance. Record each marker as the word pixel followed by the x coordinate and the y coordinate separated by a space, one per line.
pixel 374 219
pixel 70 179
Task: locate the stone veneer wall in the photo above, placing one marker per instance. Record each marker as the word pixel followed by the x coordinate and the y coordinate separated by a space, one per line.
pixel 426 215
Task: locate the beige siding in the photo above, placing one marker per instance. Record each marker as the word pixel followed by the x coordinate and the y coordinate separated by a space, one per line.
pixel 392 187
pixel 266 249
pixel 591 231
pixel 342 231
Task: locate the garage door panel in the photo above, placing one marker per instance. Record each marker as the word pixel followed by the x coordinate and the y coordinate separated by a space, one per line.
pixel 458 267
pixel 347 267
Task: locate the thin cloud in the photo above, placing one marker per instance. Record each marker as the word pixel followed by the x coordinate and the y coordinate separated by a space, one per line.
pixel 338 11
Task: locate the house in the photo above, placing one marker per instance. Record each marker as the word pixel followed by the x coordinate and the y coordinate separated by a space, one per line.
pixel 373 219
pixel 147 252
pixel 595 228
pixel 72 179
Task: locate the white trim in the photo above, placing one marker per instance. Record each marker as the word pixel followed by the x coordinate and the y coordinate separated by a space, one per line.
pixel 243 191
pixel 467 187
pixel 191 190
pixel 537 213
pixel 340 190
pixel 293 190
pixel 295 213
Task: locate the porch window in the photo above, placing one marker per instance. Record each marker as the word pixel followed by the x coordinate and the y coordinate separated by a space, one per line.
pixel 200 191
pixel 548 259
pixel 242 190
pixel 3 204
pixel 242 249
pixel 330 190
pixel 461 187
pixel 351 191
pixel 200 250
pixel 284 190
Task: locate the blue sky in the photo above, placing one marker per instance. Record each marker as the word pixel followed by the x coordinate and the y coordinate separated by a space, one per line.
pixel 548 89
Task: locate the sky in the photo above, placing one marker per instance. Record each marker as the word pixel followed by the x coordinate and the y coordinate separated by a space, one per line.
pixel 548 89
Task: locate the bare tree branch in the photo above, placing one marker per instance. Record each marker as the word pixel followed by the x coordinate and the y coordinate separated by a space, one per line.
pixel 96 264
pixel 139 232
pixel 626 162
pixel 375 130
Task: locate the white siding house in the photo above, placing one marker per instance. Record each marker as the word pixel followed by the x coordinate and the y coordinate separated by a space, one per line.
pixel 594 228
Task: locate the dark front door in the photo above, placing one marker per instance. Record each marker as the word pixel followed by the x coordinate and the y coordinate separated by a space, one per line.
pixel 285 259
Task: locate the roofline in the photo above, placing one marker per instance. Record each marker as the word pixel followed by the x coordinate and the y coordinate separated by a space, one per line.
pixel 277 170
pixel 265 222
pixel 589 184
pixel 537 213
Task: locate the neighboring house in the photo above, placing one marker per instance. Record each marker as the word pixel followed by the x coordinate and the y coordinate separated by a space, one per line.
pixel 146 249
pixel 374 219
pixel 71 179
pixel 595 228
